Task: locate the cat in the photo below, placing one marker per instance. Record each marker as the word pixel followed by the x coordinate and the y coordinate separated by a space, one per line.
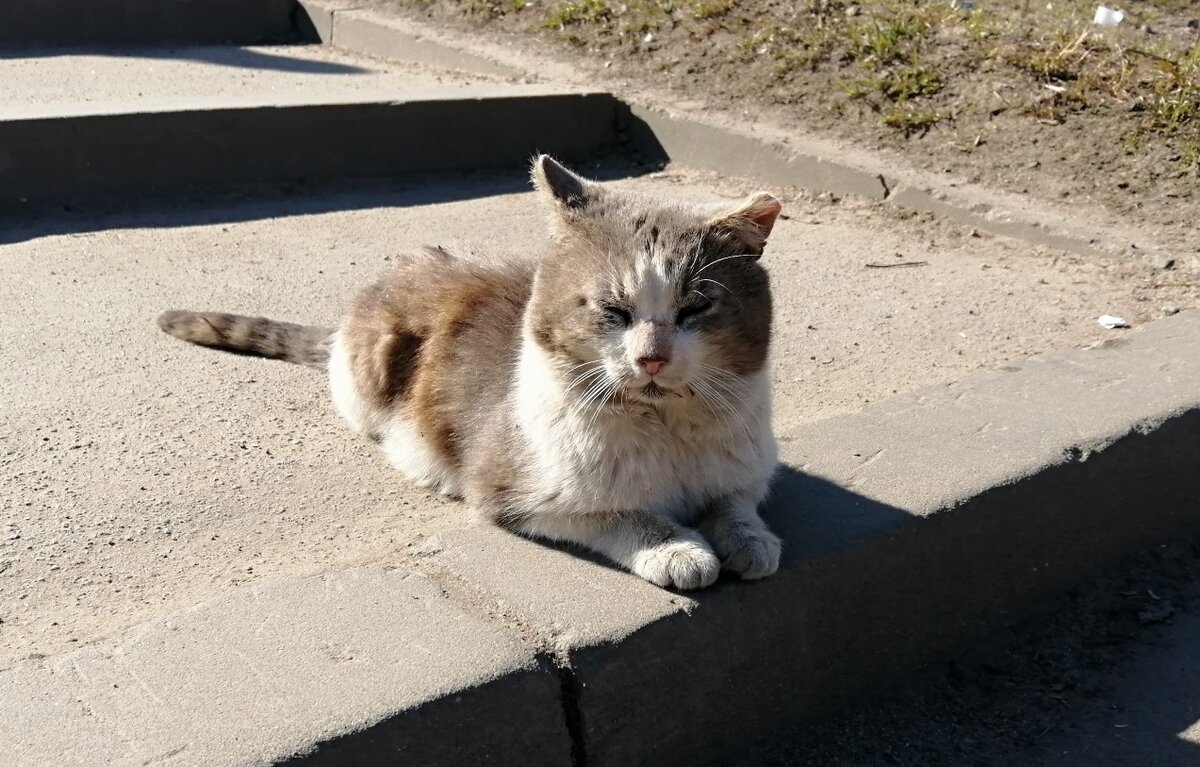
pixel 606 393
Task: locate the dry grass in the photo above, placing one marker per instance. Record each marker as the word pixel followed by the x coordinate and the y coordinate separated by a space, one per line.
pixel 915 63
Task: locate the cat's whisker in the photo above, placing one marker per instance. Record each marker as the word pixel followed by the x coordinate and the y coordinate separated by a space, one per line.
pixel 717 283
pixel 581 364
pixel 728 388
pixel 697 251
pixel 586 378
pixel 706 396
pixel 719 260
pixel 582 378
pixel 745 407
pixel 721 373
pixel 597 397
pixel 723 286
pixel 599 367
pixel 601 400
pixel 734 386
pixel 723 403
pixel 593 392
pixel 684 265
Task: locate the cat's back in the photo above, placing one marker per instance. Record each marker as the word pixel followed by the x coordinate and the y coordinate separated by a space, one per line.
pixel 437 333
pixel 438 290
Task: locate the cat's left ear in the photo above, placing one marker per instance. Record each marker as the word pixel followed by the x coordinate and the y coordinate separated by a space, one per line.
pixel 565 190
pixel 751 222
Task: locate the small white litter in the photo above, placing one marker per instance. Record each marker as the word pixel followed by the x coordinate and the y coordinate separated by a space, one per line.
pixel 1107 17
pixel 1110 321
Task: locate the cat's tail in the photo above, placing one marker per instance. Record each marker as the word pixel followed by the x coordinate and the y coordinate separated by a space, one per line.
pixel 301 344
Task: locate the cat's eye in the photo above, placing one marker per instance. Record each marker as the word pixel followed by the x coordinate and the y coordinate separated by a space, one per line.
pixel 691 311
pixel 617 314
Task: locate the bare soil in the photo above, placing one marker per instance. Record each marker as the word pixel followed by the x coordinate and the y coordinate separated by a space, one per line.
pixel 1029 97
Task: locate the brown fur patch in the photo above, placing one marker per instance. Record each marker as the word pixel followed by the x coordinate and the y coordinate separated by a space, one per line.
pixel 437 335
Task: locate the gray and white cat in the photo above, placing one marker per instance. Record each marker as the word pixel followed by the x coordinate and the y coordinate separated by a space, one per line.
pixel 609 393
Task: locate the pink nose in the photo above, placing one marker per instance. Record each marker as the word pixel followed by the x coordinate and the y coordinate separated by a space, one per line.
pixel 652 364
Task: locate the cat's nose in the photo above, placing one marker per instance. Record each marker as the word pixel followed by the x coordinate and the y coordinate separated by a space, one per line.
pixel 652 364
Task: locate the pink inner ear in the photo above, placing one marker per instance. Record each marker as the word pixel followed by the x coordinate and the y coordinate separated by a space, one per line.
pixel 752 221
pixel 763 210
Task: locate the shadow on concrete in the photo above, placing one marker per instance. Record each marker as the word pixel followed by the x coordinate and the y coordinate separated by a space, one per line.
pixel 818 518
pixel 458 730
pixel 243 58
pixel 42 23
pixel 222 56
pixel 253 202
pixel 867 594
pixel 814 517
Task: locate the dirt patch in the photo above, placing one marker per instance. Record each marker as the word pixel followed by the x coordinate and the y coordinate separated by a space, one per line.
pixel 1029 97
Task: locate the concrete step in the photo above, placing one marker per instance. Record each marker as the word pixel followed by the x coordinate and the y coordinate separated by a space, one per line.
pixel 80 125
pixel 206 568
pixel 35 23
pixel 660 127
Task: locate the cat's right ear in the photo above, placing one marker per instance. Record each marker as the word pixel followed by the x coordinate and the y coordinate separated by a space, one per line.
pixel 565 190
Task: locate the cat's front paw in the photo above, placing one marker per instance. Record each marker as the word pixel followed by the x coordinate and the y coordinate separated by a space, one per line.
pixel 684 563
pixel 753 553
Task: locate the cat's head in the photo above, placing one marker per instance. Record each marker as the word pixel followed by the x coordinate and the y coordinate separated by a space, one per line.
pixel 645 299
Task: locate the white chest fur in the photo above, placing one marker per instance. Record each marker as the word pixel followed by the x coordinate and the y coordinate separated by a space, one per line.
pixel 669 460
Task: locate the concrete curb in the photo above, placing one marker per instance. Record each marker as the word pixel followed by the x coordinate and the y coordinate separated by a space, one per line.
pixel 803 163
pixel 67 158
pixel 762 152
pixel 150 22
pixel 54 160
pixel 379 35
pixel 361 667
pixel 911 529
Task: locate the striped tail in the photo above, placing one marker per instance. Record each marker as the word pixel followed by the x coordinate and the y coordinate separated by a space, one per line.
pixel 301 344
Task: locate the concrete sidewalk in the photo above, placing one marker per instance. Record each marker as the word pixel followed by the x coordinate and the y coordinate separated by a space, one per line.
pixel 78 127
pixel 214 499
pixel 199 564
pixel 49 82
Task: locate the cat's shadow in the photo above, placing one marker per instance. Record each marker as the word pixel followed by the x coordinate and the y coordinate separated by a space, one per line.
pixel 814 517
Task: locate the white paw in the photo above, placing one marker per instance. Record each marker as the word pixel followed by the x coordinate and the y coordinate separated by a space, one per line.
pixel 684 563
pixel 752 552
